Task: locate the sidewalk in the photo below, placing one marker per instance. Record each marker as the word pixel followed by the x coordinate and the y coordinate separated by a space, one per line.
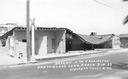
pixel 6 60
pixel 9 61
pixel 78 53
pixel 66 55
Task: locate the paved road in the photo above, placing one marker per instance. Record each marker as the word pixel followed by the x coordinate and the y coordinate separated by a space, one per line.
pixel 82 67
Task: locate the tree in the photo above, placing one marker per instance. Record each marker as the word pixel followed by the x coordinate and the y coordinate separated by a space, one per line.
pixel 125 21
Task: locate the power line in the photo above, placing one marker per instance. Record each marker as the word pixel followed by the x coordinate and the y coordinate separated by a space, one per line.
pixel 116 6
pixel 110 6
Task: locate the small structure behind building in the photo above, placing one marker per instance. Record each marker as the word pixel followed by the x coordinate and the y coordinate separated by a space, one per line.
pixel 108 41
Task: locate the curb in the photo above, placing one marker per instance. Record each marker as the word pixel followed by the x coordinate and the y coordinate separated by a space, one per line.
pixel 70 55
pixel 50 58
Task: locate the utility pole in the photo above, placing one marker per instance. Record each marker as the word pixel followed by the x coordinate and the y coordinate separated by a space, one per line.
pixel 33 39
pixel 28 30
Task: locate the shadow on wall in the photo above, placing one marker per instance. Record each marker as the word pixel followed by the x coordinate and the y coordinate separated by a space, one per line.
pixel 2 42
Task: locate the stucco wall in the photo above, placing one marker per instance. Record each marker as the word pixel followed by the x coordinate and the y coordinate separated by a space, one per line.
pixel 56 36
pixel 116 42
pixel 19 45
pixel 60 41
pixel 39 36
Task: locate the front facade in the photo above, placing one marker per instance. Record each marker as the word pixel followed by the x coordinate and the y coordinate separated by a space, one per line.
pixel 55 41
pixel 47 41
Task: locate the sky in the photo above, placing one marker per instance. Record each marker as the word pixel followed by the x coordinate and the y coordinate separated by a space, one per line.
pixel 80 16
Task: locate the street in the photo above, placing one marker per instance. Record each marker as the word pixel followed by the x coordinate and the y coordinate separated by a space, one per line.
pixel 82 67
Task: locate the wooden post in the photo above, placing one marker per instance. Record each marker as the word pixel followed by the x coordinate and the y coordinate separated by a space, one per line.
pixel 28 31
pixel 33 39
